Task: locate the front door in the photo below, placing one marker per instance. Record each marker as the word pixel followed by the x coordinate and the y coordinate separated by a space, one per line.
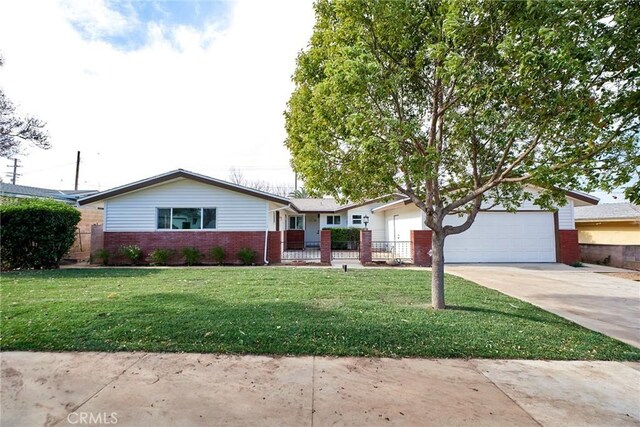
pixel 312 229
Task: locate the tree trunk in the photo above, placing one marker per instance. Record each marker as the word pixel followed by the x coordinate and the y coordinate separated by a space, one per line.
pixel 437 271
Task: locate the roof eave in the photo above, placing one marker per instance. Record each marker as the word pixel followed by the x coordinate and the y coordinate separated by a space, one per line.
pixel 180 173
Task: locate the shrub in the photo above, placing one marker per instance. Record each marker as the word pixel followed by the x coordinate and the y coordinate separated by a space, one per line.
pixel 132 252
pixel 247 256
pixel 217 254
pixel 36 233
pixel 103 255
pixel 160 256
pixel 192 255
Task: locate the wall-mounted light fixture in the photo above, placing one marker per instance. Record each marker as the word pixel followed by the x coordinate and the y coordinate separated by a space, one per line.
pixel 365 220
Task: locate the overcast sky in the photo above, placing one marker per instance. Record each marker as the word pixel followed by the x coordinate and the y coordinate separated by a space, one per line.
pixel 144 87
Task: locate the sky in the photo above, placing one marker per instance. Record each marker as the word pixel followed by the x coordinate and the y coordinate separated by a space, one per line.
pixel 144 87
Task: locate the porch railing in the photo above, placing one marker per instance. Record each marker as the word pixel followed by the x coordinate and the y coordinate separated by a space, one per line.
pixel 301 250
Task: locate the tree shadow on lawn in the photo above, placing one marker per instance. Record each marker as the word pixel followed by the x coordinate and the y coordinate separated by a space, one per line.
pixel 546 318
pixel 194 323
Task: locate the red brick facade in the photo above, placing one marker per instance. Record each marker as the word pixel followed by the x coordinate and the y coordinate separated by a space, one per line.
pixel 569 247
pixel 230 241
pixel 274 248
pixel 365 246
pixel 420 247
pixel 325 246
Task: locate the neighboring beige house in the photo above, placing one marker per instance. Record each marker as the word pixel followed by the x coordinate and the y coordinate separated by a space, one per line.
pixel 608 224
pixel 610 234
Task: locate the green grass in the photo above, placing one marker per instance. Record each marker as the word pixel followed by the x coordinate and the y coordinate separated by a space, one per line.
pixel 372 312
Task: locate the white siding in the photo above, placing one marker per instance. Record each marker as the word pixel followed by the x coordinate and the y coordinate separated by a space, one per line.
pixel 407 218
pixel 323 221
pixel 565 217
pixel 376 221
pixel 136 211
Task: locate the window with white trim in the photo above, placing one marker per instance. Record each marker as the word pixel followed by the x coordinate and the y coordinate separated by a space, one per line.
pixel 296 222
pixel 356 219
pixel 333 219
pixel 186 218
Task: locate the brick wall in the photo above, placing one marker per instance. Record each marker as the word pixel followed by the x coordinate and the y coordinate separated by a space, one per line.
pixel 569 247
pixel 274 249
pixel 325 246
pixel 365 246
pixel 420 247
pixel 230 241
pixel 623 256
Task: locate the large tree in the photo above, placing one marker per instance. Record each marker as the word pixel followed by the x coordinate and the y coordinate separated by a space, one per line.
pixel 461 104
pixel 16 130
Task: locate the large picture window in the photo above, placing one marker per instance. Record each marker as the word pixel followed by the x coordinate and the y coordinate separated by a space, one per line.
pixel 186 218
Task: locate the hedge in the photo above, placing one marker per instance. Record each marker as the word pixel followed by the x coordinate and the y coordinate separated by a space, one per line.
pixel 344 238
pixel 36 233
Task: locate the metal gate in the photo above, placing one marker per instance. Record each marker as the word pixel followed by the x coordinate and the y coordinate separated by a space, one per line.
pixel 391 250
pixel 349 249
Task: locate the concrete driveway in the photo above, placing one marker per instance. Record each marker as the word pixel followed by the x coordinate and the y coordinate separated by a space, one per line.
pixel 609 305
pixel 147 389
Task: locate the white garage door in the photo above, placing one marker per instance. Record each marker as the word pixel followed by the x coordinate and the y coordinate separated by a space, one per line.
pixel 503 237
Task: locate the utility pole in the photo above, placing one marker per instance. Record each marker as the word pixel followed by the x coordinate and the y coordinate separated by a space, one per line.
pixel 13 175
pixel 77 171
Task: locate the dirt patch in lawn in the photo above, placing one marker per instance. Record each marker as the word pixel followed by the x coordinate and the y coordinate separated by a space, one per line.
pixel 632 275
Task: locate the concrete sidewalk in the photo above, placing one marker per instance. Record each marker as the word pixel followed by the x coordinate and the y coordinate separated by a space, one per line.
pixel 146 389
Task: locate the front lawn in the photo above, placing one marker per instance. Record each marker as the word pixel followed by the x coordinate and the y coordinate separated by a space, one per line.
pixel 297 311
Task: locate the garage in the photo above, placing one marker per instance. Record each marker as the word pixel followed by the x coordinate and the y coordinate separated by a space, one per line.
pixel 503 237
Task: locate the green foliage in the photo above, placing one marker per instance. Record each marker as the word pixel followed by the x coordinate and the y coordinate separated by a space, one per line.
pixel 217 254
pixel 456 102
pixel 344 238
pixel 36 233
pixel 192 256
pixel 103 255
pixel 247 256
pixel 282 311
pixel 160 256
pixel 132 252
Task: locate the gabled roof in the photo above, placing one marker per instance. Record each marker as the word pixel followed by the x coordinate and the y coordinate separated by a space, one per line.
pixel 316 205
pixel 176 174
pixel 13 190
pixel 608 212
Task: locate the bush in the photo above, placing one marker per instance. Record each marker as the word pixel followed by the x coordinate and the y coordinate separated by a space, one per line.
pixel 132 252
pixel 160 256
pixel 247 256
pixel 344 238
pixel 36 233
pixel 192 255
pixel 217 254
pixel 103 255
